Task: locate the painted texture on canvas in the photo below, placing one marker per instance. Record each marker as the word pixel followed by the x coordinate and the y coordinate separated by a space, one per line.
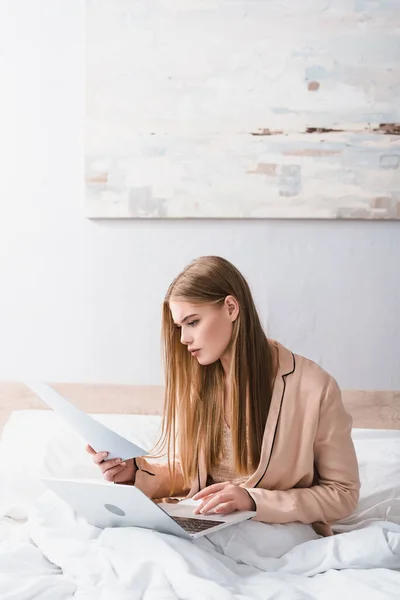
pixel 243 109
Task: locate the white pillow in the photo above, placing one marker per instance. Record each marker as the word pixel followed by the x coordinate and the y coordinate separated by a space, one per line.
pixel 378 454
pixel 38 443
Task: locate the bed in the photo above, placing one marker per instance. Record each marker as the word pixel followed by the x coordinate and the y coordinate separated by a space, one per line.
pixel 49 553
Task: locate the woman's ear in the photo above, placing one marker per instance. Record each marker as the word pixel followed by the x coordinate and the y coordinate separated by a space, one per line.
pixel 232 306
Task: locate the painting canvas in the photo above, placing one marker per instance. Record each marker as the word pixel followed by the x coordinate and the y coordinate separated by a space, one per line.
pixel 242 109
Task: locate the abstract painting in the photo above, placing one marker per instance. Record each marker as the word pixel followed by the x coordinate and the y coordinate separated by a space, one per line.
pixel 243 109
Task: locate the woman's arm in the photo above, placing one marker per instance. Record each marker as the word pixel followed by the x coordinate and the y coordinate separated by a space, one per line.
pixel 336 494
pixel 154 480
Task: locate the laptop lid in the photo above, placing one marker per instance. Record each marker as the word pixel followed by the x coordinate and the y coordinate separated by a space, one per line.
pixel 100 437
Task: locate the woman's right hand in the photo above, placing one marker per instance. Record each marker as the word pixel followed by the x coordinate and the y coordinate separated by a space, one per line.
pixel 114 470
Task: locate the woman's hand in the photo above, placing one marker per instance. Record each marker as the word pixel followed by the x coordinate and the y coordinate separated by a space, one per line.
pixel 223 498
pixel 114 470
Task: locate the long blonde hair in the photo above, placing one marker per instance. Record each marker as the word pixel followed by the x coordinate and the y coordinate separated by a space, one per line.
pixel 193 409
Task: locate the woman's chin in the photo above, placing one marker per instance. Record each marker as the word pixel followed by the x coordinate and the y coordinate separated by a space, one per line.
pixel 204 360
pixel 201 360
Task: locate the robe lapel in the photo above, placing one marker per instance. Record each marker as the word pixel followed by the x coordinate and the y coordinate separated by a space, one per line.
pixel 286 367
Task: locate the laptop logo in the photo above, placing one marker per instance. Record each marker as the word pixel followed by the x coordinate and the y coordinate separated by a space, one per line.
pixel 115 510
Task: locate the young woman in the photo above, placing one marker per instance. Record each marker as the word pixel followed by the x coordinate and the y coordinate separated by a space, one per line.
pixel 248 425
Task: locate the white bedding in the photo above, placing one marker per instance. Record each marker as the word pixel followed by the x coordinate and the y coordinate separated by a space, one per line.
pixel 48 553
pixel 54 555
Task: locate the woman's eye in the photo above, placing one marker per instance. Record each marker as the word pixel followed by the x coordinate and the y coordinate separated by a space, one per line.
pixel 193 323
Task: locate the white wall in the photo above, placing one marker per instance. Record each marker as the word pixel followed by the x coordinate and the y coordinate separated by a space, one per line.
pixel 80 300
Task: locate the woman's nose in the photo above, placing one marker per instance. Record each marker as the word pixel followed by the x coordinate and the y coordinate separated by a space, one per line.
pixel 185 337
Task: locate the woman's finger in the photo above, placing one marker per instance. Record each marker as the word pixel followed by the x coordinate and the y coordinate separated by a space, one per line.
pixel 110 474
pixel 90 449
pixel 210 504
pixel 211 489
pixel 99 457
pixel 200 507
pixel 106 465
pixel 225 508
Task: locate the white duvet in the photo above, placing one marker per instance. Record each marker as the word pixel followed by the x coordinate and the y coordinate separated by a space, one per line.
pixel 48 553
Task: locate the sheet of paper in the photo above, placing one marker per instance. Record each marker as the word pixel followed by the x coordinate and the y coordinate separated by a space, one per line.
pixel 94 433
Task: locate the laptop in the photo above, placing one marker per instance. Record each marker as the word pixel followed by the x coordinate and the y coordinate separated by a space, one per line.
pixel 105 504
pixel 94 433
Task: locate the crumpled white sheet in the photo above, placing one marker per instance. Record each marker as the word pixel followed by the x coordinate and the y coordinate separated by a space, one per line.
pixel 48 553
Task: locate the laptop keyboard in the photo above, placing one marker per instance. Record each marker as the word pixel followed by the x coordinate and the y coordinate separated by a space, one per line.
pixel 191 525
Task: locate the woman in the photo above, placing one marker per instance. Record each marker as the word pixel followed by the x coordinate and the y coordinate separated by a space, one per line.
pixel 255 426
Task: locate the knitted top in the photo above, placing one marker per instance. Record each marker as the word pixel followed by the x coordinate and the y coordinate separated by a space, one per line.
pixel 224 470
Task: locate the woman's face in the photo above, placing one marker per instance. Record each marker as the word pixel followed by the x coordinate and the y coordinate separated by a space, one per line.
pixel 206 329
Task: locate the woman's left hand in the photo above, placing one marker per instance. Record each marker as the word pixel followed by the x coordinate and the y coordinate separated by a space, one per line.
pixel 223 498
